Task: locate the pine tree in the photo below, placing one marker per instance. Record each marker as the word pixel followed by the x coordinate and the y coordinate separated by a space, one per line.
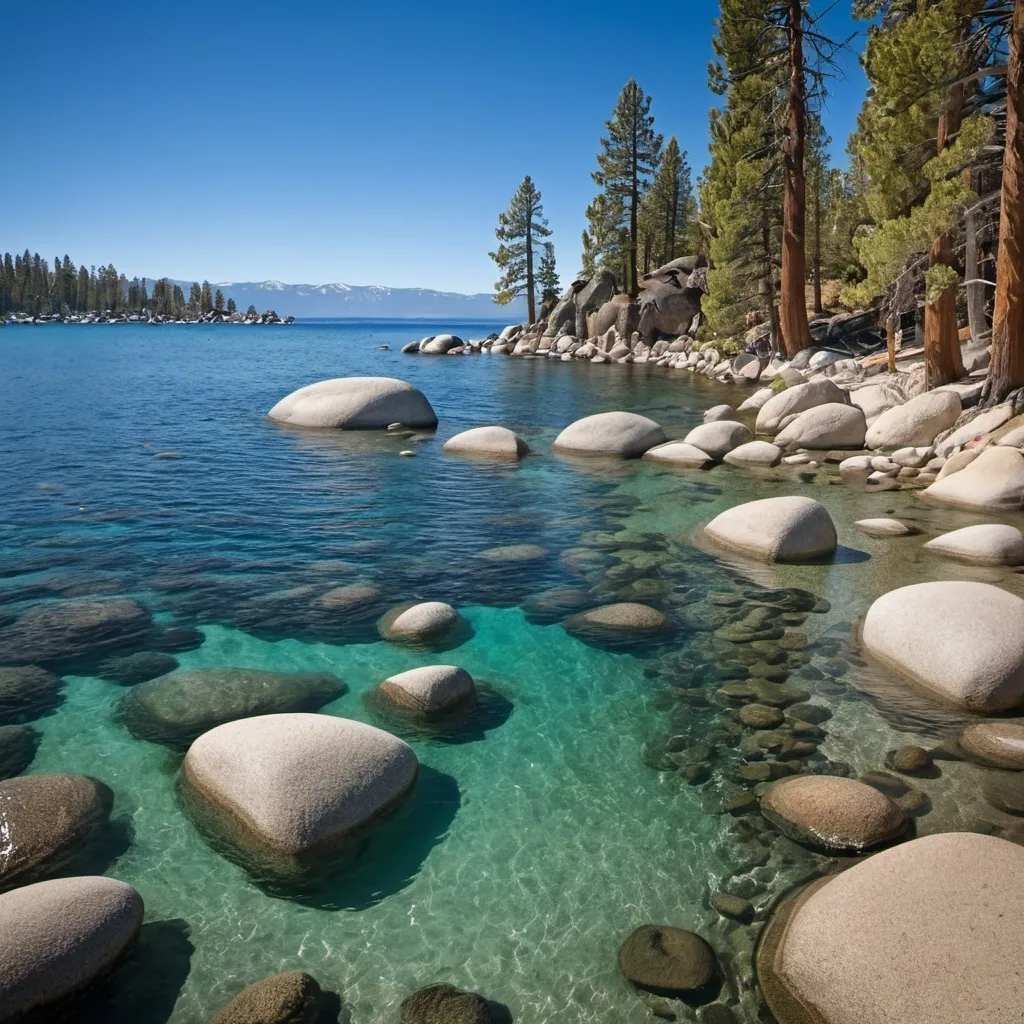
pixel 605 241
pixel 206 299
pixel 195 299
pixel 518 230
pixel 547 275
pixel 667 210
pixel 218 301
pixel 232 308
pixel 251 311
pixel 629 158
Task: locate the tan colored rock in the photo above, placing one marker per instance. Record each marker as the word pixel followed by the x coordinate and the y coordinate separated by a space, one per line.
pixel 787 529
pixel 833 425
pixel 918 422
pixel 432 689
pixel 982 424
pixel 918 934
pixel 356 403
pixel 678 454
pixel 488 442
pixel 994 480
pixel 428 620
pixel 833 813
pixel 961 641
pixel 626 616
pixel 982 544
pixel 885 528
pixel 290 998
pixel 954 463
pixel 999 743
pixel 795 400
pixel 754 453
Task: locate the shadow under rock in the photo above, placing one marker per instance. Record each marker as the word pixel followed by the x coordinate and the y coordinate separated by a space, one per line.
pixel 389 859
pixel 145 986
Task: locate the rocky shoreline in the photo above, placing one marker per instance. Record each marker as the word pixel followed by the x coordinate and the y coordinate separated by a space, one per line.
pixel 269 317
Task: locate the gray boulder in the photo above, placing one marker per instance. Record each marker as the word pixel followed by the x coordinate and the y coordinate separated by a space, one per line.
pixel 622 434
pixel 290 998
pixel 431 690
pixel 786 529
pixel 356 403
pixel 419 622
pixel 17 749
pixel 794 400
pixel 591 297
pixel 666 961
pixel 719 438
pixel 57 938
pixel 670 298
pixel 678 454
pixel 131 669
pixel 438 345
pixel 983 544
pixel 489 442
pixel 177 708
pixel 754 453
pixel 918 422
pixel 719 412
pixel 993 480
pixel 26 692
pixel 825 427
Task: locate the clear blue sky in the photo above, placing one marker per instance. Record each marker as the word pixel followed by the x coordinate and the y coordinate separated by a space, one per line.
pixel 315 142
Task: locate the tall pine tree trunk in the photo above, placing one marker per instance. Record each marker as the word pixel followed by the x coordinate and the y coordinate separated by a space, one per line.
pixel 972 272
pixel 795 330
pixel 774 331
pixel 941 338
pixel 531 301
pixel 1006 371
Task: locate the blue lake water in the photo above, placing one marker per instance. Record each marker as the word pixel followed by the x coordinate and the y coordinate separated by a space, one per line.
pixel 138 460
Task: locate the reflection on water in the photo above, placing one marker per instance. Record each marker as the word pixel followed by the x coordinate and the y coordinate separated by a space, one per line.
pixel 602 784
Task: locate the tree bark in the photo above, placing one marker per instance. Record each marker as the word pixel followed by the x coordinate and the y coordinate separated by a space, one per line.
pixel 941 338
pixel 818 307
pixel 972 272
pixel 795 330
pixel 774 331
pixel 1006 371
pixel 890 341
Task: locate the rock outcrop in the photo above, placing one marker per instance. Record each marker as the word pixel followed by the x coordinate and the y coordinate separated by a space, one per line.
pixel 356 403
pixel 670 297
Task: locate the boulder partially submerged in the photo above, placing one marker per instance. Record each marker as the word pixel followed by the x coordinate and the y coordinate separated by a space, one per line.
pixel 719 437
pixel 290 998
pixel 992 480
pixel 998 744
pixel 419 622
pixel 488 442
pixel 982 544
pixel 786 529
pixel 678 454
pixel 622 434
pixel 26 692
pixel 431 690
pixel 286 794
pixel 356 403
pixel 667 961
pixel 961 641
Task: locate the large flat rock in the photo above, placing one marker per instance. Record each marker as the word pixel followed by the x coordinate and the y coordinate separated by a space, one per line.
pixel 356 403
pixel 982 544
pixel 962 641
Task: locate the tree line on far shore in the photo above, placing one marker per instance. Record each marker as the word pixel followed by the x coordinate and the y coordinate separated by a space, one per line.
pixel 29 284
pixel 926 221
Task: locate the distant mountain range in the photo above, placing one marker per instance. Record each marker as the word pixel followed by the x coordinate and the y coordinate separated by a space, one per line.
pixel 353 300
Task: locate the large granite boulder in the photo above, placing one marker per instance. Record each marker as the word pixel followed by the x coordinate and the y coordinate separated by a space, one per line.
pixel 431 690
pixel 982 544
pixel 918 422
pixel 794 400
pixel 833 425
pixel 177 708
pixel 57 938
pixel 619 312
pixel 786 529
pixel 290 998
pixel 678 454
pixel 445 1004
pixel 993 480
pixel 667 961
pixel 26 692
pixel 419 623
pixel 977 427
pixel 17 749
pixel 562 319
pixel 833 813
pixel 918 934
pixel 754 453
pixel 719 437
pixel 58 631
pixel 356 403
pixel 46 821
pixel 622 434
pixel 670 297
pixel 875 399
pixel 438 345
pixel 999 744
pixel 490 442
pixel 591 297
pixel 718 412
pixel 962 641
pixel 286 794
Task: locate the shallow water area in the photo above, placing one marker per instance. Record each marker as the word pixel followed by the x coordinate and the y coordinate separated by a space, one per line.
pixel 533 844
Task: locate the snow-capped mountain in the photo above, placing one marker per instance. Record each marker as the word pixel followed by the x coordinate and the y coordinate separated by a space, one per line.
pixel 374 300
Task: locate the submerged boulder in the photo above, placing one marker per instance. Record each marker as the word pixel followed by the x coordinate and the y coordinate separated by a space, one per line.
pixel 514 553
pixel 992 480
pixel 719 437
pixel 290 998
pixel 886 528
pixel 57 938
pixel 57 631
pixel 667 961
pixel 356 403
pixel 45 822
pixel 17 749
pixel 983 544
pixel 445 1004
pixel 433 689
pixel 623 434
pixel 795 400
pixel 412 623
pixel 786 529
pixel 132 669
pixel 918 934
pixel 999 744
pixel 26 692
pixel 623 618
pixel 918 422
pixel 286 793
pixel 177 708
pixel 833 813
pixel 833 425
pixel 962 641
pixel 678 454
pixel 490 442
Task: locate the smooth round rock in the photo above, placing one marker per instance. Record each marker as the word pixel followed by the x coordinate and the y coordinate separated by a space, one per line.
pixel 992 481
pixel 833 813
pixel 719 438
pixel 917 934
pixel 761 716
pixel 622 434
pixel 490 442
pixel 132 669
pixel 17 749
pixel 983 544
pixel 428 620
pixel 514 553
pixel 290 998
pixel 882 528
pixel 626 616
pixel 666 961
pixel 999 743
pixel 909 760
pixel 348 597
pixel 832 425
pixel 285 792
pixel 773 415
pixel 787 529
pixel 445 1004
pixel 754 453
pixel 45 821
pixel 719 412
pixel 59 937
pixel 678 454
pixel 432 689
pixel 26 692
pixel 177 708
pixel 356 403
pixel 916 423
pixel 962 641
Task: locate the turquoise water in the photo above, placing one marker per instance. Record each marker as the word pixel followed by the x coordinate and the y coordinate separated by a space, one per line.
pixel 530 849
